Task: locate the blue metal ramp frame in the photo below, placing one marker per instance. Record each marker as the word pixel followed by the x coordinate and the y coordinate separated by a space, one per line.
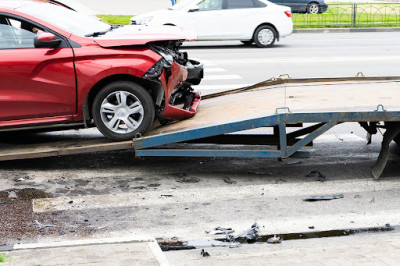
pixel 150 146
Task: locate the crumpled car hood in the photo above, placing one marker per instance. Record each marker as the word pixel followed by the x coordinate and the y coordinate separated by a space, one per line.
pixel 140 35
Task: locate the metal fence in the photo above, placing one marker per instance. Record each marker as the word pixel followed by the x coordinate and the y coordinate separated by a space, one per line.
pixel 351 15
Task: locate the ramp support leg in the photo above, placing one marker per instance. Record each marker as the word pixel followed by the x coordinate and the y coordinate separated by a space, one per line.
pixel 392 130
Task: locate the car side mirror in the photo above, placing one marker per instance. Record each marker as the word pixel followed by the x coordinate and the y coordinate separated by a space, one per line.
pixel 46 40
pixel 194 9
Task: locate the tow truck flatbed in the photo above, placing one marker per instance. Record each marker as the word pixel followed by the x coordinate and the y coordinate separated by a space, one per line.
pixel 278 104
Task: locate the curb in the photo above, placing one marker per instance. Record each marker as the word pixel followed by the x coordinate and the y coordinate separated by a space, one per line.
pixel 340 30
pixel 152 243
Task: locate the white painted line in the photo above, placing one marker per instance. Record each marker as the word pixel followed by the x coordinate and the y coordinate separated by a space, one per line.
pixel 221 77
pixel 86 242
pixel 307 60
pixel 213 70
pixel 339 138
pixel 158 254
pixel 264 192
pixel 206 63
pixel 220 87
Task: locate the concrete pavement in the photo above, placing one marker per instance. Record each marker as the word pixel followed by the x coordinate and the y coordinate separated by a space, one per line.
pixel 363 249
pixel 367 249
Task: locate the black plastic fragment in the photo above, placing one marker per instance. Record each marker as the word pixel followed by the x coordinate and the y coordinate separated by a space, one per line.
pixel 324 197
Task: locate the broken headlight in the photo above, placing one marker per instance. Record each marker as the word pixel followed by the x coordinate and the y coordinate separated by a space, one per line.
pixel 155 70
pixel 164 52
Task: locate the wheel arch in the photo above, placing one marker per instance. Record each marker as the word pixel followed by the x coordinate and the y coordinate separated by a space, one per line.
pixel 266 24
pixel 155 89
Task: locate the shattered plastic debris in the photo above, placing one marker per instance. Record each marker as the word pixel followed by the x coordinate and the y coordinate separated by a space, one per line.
pixel 250 234
pixel 317 174
pixel 228 180
pixel 274 240
pixel 204 253
pixel 12 195
pixel 295 162
pixel 324 197
pixel 42 226
pixel 251 172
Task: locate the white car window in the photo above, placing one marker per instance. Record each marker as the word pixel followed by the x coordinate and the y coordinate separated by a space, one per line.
pixel 207 5
pixel 68 20
pixel 233 4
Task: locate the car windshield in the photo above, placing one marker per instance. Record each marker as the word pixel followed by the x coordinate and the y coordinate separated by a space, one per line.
pixel 183 4
pixel 63 18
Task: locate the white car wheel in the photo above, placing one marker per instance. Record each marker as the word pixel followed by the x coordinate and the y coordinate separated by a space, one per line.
pixel 265 36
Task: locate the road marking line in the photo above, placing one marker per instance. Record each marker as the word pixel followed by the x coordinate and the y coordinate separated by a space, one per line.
pixel 221 77
pixel 307 60
pixel 264 192
pixel 215 69
pixel 220 87
pixel 339 137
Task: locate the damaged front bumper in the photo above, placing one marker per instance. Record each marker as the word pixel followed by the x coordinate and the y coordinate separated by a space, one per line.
pixel 181 101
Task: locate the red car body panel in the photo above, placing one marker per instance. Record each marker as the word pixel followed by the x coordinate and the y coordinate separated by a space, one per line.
pixel 43 85
pixel 36 83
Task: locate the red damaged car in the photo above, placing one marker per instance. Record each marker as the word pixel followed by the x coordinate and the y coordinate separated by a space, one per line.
pixel 62 68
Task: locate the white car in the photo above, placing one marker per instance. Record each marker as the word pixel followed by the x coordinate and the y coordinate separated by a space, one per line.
pixel 258 21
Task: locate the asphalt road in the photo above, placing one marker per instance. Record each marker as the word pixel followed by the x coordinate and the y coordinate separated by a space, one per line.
pixel 301 55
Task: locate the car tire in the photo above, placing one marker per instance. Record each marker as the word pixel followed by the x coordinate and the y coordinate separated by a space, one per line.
pixel 397 139
pixel 247 43
pixel 265 36
pixel 122 110
pixel 313 8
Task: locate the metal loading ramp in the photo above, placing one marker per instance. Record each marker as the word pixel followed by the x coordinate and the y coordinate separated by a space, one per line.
pixel 278 104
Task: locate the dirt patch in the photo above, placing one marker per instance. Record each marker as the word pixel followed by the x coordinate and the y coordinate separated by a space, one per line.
pixel 18 222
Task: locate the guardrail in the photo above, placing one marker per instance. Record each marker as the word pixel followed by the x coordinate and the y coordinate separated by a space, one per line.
pixel 351 15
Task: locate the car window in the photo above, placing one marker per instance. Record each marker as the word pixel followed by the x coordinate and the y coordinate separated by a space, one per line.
pixel 16 34
pixel 233 4
pixel 259 3
pixel 68 20
pixel 207 5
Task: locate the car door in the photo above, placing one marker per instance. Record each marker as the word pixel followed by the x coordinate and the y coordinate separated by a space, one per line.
pixel 35 82
pixel 240 15
pixel 208 21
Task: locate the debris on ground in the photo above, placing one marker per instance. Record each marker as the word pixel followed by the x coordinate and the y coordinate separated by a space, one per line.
pixel 43 226
pixel 372 200
pixel 251 234
pixel 295 162
pixel 222 230
pixel 228 180
pixel 204 253
pixel 185 179
pixel 12 195
pixel 251 172
pixel 317 175
pixel 167 245
pixel 324 197
pixel 274 240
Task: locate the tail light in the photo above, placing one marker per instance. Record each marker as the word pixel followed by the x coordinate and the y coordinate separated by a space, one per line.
pixel 288 14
